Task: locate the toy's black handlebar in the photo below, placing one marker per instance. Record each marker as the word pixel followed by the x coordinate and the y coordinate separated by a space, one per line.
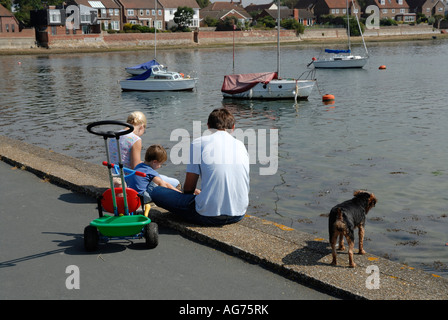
pixel 110 134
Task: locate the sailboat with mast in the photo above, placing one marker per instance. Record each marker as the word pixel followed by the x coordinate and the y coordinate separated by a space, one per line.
pixel 342 59
pixel 267 85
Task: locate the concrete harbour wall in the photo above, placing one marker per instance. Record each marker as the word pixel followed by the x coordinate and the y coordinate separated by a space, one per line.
pixel 202 38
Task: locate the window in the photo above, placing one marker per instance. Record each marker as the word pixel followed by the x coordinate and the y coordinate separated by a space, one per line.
pixel 130 12
pixel 111 11
pixel 153 12
pixel 332 11
pixel 383 2
pixel 402 11
pixel 117 12
pixel 160 12
pixel 115 25
pixel 55 16
pixel 141 12
pixel 147 12
pixel 400 2
pixel 337 11
pixel 85 18
pixel 103 13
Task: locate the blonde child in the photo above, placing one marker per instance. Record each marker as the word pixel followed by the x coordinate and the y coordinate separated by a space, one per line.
pixel 131 143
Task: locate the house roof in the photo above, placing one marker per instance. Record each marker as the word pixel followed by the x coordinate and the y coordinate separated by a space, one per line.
pixel 305 4
pixel 179 3
pixel 5 12
pixel 108 4
pixel 288 14
pixel 140 4
pixel 392 4
pixel 340 3
pixel 259 7
pixel 221 9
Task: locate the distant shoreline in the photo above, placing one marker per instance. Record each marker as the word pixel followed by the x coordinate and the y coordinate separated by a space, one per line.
pixel 301 42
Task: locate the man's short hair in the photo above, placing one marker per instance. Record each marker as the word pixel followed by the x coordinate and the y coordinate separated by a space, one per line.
pixel 221 119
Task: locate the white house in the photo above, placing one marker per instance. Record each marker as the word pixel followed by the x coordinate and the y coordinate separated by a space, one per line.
pixel 170 8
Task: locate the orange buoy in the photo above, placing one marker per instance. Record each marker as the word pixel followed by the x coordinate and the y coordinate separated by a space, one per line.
pixel 328 97
pixel 383 67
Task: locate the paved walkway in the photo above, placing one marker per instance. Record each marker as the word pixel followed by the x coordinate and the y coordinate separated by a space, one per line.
pixel 42 244
pixel 41 235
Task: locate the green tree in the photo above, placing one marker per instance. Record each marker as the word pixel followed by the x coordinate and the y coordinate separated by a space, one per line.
pixel 6 3
pixel 292 24
pixel 23 8
pixel 203 3
pixel 183 17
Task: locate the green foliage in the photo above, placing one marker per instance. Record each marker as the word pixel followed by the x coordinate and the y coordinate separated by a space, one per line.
pixel 388 22
pixel 267 22
pixel 183 17
pixel 23 8
pixel 203 3
pixel 227 24
pixel 211 22
pixel 292 24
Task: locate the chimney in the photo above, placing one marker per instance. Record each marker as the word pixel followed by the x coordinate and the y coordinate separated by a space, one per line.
pixel 296 14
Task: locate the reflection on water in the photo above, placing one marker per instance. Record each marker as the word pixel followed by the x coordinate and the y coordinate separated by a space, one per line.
pixel 385 131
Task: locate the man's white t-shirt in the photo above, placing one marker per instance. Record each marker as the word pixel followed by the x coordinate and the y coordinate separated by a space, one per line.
pixel 222 162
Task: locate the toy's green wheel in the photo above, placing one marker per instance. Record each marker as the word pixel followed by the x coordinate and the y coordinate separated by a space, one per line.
pixel 91 238
pixel 151 234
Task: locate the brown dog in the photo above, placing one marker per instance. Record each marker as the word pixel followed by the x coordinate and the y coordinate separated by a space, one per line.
pixel 347 216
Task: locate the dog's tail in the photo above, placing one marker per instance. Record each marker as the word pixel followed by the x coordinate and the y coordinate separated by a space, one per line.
pixel 340 224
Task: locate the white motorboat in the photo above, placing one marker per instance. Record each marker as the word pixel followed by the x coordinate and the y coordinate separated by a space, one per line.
pixel 152 76
pixel 267 85
pixel 157 78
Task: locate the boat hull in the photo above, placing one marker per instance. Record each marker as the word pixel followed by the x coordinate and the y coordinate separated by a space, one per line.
pixel 340 63
pixel 158 85
pixel 277 89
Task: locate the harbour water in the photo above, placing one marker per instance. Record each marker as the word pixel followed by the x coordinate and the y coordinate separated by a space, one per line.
pixel 386 131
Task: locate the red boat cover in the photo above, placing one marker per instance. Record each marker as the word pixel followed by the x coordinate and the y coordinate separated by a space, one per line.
pixel 237 83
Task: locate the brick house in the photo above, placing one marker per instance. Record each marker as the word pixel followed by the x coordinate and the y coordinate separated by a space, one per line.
pixel 8 22
pixel 108 12
pixel 335 7
pixel 304 17
pixel 427 7
pixel 393 9
pixel 71 20
pixel 220 10
pixel 143 12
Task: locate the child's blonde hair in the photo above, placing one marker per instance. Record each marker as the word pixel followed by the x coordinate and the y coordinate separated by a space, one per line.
pixel 137 118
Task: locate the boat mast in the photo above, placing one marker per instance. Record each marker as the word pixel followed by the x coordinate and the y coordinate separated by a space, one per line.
pixel 360 30
pixel 155 33
pixel 278 39
pixel 348 27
